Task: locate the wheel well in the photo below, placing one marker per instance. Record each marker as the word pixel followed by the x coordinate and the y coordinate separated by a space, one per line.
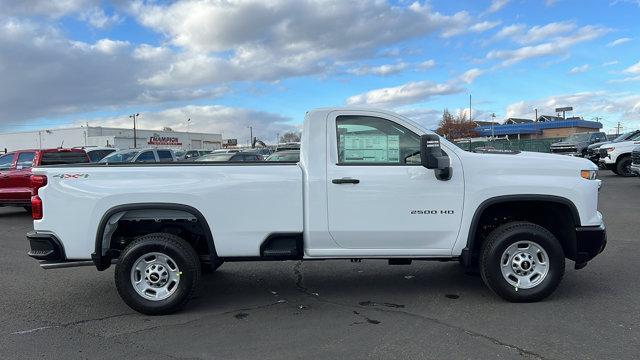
pixel 121 225
pixel 560 217
pixel 622 156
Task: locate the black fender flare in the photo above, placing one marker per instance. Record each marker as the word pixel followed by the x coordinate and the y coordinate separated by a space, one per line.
pixel 467 252
pixel 103 261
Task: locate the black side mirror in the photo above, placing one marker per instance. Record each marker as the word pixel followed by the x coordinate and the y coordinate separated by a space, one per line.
pixel 432 156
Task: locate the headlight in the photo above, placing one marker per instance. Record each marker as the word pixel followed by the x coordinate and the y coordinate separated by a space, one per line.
pixel 610 149
pixel 589 174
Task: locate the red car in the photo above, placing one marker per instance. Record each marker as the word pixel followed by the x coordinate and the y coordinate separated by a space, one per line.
pixel 15 171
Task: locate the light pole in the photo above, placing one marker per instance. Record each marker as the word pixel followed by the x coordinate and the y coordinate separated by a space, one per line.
pixel 493 120
pixel 250 136
pixel 188 133
pixel 134 116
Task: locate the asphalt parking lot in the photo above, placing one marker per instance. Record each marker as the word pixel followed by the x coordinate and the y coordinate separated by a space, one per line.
pixel 331 309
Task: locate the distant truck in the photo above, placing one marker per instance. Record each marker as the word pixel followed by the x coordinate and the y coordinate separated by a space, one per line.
pixel 617 157
pixel 577 144
pixel 370 184
pixel 593 150
pixel 15 171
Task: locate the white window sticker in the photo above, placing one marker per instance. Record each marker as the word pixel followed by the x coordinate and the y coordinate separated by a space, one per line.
pixel 370 148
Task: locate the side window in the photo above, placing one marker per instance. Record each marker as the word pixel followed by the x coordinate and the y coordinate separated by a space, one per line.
pixel 165 155
pixel 237 157
pixel 146 156
pixel 375 141
pixel 25 160
pixel 6 161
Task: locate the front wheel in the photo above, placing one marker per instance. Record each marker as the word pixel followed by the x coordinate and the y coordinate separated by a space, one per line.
pixel 623 167
pixel 522 262
pixel 157 274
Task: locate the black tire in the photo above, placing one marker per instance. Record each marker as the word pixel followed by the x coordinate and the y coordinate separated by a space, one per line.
pixel 503 237
pixel 179 251
pixel 623 167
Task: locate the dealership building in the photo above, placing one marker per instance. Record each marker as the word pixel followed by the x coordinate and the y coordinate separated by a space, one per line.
pixel 104 136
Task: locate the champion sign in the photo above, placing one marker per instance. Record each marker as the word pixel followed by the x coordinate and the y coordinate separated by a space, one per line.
pixel 164 140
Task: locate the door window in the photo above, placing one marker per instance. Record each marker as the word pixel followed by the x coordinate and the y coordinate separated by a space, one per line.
pixel 165 155
pixel 146 156
pixel 25 160
pixel 375 141
pixel 6 161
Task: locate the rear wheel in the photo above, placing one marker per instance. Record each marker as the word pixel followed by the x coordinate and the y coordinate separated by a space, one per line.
pixel 623 167
pixel 522 262
pixel 157 274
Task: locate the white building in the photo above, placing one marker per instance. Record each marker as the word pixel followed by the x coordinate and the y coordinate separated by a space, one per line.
pixel 103 136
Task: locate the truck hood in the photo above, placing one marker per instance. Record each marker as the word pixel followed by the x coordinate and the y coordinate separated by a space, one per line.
pixel 534 162
pixel 564 143
pixel 598 144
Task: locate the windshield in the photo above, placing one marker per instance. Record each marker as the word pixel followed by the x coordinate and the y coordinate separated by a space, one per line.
pixel 285 156
pixel 578 137
pixel 215 157
pixel 120 157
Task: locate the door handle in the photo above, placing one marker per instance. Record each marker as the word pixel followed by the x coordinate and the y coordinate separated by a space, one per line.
pixel 345 181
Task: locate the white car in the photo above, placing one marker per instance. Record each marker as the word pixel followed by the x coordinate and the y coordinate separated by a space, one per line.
pixel 617 156
pixel 369 184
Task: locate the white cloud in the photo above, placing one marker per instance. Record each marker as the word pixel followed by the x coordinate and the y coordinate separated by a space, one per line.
pixel 559 45
pixel 470 75
pixel 255 40
pixel 49 8
pixel 579 69
pixel 428 64
pixel 230 121
pixel 619 42
pixel 495 6
pixel 510 31
pixel 484 26
pixel 610 63
pixel 633 69
pixel 381 70
pixel 97 18
pixel 412 92
pixel 45 74
pixel 610 106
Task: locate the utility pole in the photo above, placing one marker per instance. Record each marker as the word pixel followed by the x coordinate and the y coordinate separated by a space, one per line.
pixel 250 136
pixel 536 119
pixel 134 116
pixel 493 120
pixel 469 107
pixel 618 128
pixel 189 134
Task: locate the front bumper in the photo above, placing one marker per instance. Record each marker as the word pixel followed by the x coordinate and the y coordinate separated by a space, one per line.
pixel 590 241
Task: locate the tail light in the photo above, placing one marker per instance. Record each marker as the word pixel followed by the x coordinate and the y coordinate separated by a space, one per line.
pixel 36 207
pixel 37 181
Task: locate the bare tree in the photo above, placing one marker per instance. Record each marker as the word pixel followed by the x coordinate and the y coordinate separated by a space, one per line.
pixel 290 137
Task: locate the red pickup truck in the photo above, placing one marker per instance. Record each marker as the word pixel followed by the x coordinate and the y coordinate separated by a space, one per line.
pixel 15 171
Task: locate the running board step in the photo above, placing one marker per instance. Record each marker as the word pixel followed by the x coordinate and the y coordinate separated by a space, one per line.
pixel 282 246
pixel 399 261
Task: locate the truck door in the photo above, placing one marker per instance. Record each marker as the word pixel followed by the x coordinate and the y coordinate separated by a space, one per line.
pixel 379 194
pixel 19 180
pixel 6 164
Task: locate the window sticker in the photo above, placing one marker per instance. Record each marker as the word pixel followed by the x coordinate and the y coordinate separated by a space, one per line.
pixel 370 148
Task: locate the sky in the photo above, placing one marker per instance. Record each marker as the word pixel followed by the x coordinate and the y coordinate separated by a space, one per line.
pixel 230 64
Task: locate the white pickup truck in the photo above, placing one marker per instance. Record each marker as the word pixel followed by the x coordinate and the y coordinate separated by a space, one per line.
pixel 617 156
pixel 370 184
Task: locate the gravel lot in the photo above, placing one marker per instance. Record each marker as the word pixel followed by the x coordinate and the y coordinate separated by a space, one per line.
pixel 331 309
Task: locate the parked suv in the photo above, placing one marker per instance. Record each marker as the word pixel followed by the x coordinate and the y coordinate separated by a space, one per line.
pixel 576 144
pixel 593 150
pixel 15 171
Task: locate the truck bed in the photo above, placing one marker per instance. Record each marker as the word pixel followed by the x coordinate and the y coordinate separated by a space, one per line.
pixel 243 203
